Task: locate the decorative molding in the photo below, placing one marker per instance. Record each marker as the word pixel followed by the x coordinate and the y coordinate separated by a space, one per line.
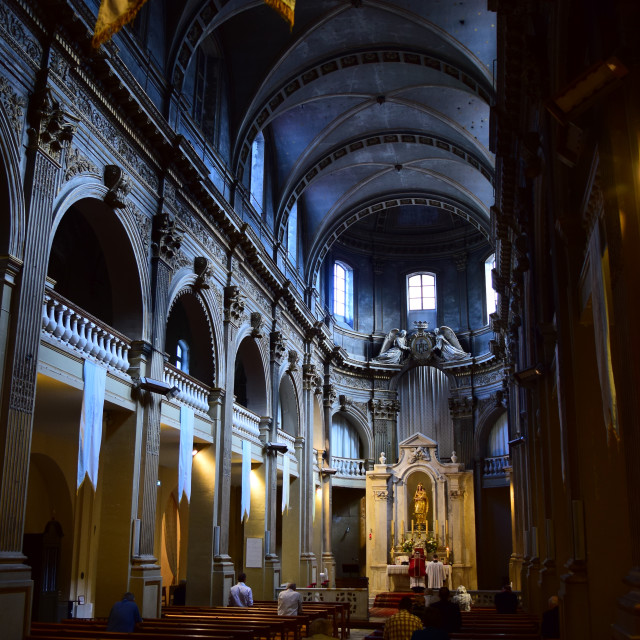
pixel 381 495
pixel 256 321
pixel 19 34
pixel 384 409
pixel 203 270
pixel 278 346
pixel 51 126
pixel 420 453
pixel 293 360
pixel 77 163
pixel 14 105
pixel 234 303
pixel 166 238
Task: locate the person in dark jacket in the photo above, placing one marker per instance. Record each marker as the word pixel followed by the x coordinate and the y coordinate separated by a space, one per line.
pixel 124 614
pixel 506 601
pixel 449 611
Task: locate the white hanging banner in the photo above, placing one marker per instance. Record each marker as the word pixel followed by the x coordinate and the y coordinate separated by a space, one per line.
pixel 245 501
pixel 285 482
pixel 186 453
pixel 90 439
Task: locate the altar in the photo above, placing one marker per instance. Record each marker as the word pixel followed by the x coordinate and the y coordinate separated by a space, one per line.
pixel 419 502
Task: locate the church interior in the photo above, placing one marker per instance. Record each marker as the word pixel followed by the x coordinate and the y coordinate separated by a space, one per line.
pixel 291 298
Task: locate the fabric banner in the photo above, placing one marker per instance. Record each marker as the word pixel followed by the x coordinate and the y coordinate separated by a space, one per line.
pixel 286 8
pixel 600 304
pixel 112 16
pixel 185 458
pixel 285 482
pixel 95 378
pixel 245 500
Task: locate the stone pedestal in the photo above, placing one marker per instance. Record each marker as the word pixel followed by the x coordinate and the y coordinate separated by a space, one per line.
pixel 146 585
pixel 222 579
pixel 16 596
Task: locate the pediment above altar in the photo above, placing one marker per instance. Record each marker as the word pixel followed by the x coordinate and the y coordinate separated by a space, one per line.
pixel 419 450
pixel 418 440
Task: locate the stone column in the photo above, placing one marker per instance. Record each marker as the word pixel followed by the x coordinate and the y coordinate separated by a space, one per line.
pixel 223 571
pixel 312 385
pixel 385 417
pixel 202 530
pixel 461 410
pixel 328 559
pixel 49 134
pixel 145 571
pixel 377 529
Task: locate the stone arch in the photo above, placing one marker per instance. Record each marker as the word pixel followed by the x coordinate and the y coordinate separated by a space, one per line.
pixel 251 375
pixel 289 402
pixel 184 297
pixel 121 236
pixel 485 423
pixel 12 218
pixel 361 425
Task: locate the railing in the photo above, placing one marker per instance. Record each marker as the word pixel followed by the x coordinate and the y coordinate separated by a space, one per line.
pixel 78 330
pixel 495 467
pixel 283 436
pixel 192 392
pixel 349 467
pixel 245 421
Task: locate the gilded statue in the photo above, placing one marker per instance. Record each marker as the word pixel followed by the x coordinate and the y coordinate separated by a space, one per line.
pixel 421 506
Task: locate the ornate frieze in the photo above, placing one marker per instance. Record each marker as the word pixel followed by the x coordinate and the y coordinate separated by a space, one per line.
pixel 234 303
pixel 199 232
pixel 77 163
pixel 59 65
pixel 142 223
pixel 118 184
pixel 381 495
pixel 18 35
pixel 456 494
pixel 14 105
pixel 346 380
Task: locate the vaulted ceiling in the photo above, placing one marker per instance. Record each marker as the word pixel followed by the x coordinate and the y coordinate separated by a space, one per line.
pixel 368 107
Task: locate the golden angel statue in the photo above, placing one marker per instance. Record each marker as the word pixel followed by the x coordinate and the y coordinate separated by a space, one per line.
pixel 420 506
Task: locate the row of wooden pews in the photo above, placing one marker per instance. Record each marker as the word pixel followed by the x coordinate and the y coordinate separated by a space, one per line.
pixel 260 622
pixel 487 624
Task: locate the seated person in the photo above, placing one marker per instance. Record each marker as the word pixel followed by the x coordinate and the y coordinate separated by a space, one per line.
pixel 506 601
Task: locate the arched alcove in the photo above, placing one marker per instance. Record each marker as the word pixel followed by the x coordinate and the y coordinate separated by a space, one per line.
pixel 93 265
pixel 288 419
pixel 189 341
pixel 250 385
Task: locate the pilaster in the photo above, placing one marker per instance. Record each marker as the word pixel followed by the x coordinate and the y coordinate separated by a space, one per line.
pixel 385 418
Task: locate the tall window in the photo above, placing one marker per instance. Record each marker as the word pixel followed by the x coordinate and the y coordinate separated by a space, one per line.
pixel 182 356
pixel 343 292
pixel 292 234
pixel 257 172
pixel 421 291
pixel 491 295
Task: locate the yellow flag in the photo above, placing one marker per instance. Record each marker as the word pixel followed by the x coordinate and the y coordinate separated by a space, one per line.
pixel 112 16
pixel 284 7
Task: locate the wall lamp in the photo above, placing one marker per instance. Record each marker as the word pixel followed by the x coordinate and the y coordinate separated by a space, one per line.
pixel 530 375
pixel 158 386
pixel 276 447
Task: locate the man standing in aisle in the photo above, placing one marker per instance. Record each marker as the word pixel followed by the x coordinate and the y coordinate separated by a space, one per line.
pixel 435 578
pixel 290 601
pixel 240 595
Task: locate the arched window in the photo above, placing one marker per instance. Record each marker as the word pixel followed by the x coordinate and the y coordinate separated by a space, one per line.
pixel 292 234
pixel 421 291
pixel 343 292
pixel 491 295
pixel 182 356
pixel 345 441
pixel 257 172
pixel 498 443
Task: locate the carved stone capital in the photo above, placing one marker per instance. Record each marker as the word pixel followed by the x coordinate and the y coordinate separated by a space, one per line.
pixel 345 402
pixel 233 305
pixel 166 237
pixel 384 409
pixel 51 127
pixel 278 346
pixel 329 395
pixel 311 378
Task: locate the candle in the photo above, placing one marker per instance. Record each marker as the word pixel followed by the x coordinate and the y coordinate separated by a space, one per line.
pixel 392 527
pixel 435 529
pixel 447 552
pixel 411 526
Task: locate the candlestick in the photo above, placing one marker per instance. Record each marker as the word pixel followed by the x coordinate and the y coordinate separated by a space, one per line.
pixel 435 529
pixel 412 526
pixel 392 527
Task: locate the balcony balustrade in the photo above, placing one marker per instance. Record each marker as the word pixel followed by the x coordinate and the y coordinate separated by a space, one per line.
pixel 349 467
pixel 70 326
pixel 246 423
pixel 495 467
pixel 192 393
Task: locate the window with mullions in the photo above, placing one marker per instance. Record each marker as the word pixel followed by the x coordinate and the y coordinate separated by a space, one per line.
pixel 292 234
pixel 421 291
pixel 491 295
pixel 343 292
pixel 257 172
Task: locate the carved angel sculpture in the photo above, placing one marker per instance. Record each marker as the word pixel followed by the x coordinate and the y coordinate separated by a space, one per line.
pixel 394 348
pixel 448 345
